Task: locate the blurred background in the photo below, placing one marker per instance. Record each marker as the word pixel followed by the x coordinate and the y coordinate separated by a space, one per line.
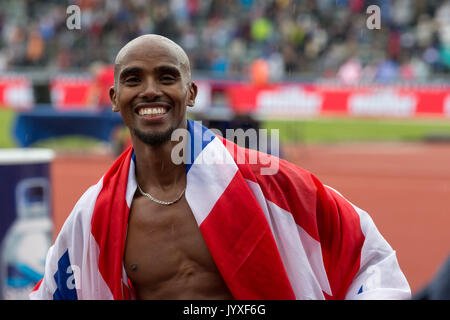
pixel 359 91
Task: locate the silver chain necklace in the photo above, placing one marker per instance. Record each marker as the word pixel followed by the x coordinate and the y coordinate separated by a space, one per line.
pixel 165 203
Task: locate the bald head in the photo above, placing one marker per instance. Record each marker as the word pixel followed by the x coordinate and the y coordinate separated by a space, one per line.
pixel 148 43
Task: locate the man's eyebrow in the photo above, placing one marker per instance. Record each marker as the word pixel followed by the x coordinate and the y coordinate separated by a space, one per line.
pixel 168 69
pixel 129 70
pixel 160 69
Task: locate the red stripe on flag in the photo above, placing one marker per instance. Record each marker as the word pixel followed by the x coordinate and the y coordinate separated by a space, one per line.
pixel 341 239
pixel 36 287
pixel 109 223
pixel 243 247
pixel 323 214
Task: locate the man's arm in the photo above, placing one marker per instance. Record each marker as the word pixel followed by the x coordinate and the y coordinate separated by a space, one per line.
pixel 379 276
pixel 364 252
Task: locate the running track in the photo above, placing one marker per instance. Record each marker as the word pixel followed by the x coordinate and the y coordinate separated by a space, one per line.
pixel 404 187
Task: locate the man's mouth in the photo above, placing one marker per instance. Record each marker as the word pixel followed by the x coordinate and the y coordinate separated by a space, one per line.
pixel 153 111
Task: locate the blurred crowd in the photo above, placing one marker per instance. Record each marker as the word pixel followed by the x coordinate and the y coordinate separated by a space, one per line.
pixel 320 38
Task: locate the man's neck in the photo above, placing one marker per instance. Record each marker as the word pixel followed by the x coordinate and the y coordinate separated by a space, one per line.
pixel 155 167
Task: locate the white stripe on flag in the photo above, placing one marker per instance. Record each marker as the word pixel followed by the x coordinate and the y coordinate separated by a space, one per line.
pixel 379 276
pixel 92 285
pixel 208 177
pixel 301 254
pixel 131 184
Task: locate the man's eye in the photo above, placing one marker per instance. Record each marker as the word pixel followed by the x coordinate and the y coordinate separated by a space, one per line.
pixel 132 79
pixel 167 78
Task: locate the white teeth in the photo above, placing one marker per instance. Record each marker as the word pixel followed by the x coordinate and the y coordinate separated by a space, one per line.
pixel 151 111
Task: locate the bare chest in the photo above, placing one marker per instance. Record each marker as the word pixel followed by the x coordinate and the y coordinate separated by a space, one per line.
pixel 165 252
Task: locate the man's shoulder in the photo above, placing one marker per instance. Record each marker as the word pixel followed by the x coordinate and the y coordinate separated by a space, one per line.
pixel 81 214
pixel 274 173
pixel 257 160
pixel 87 200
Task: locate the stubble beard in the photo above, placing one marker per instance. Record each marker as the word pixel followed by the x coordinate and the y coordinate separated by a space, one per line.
pixel 154 139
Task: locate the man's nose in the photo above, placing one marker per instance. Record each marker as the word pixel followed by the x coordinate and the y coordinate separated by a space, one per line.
pixel 151 89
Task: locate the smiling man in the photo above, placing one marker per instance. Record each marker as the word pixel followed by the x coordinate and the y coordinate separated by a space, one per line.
pixel 165 254
pixel 153 81
pixel 152 228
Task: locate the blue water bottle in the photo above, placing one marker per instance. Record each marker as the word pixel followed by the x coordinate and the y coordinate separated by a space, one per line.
pixel 27 240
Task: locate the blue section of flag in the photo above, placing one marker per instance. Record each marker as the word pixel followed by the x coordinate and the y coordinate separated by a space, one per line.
pixel 199 137
pixel 360 290
pixel 65 287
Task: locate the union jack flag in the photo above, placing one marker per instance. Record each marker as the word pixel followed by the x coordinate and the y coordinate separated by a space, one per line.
pixel 279 236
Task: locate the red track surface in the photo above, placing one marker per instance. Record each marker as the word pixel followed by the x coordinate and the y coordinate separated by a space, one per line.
pixel 404 187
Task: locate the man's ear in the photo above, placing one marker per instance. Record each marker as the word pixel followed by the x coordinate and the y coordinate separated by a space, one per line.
pixel 192 94
pixel 112 97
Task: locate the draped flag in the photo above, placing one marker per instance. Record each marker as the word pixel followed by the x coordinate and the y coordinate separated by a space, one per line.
pixel 272 236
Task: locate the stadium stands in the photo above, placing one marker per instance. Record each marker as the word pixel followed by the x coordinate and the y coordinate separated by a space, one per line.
pixel 323 38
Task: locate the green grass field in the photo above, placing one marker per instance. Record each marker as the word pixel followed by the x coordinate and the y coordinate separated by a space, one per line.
pixel 6 120
pixel 68 143
pixel 359 130
pixel 320 130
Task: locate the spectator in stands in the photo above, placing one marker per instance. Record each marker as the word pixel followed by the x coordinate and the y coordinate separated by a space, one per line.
pixel 225 36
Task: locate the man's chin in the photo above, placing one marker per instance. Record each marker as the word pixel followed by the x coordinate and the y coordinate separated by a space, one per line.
pixel 154 139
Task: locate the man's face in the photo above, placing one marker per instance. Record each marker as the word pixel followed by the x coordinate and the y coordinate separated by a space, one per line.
pixel 152 91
